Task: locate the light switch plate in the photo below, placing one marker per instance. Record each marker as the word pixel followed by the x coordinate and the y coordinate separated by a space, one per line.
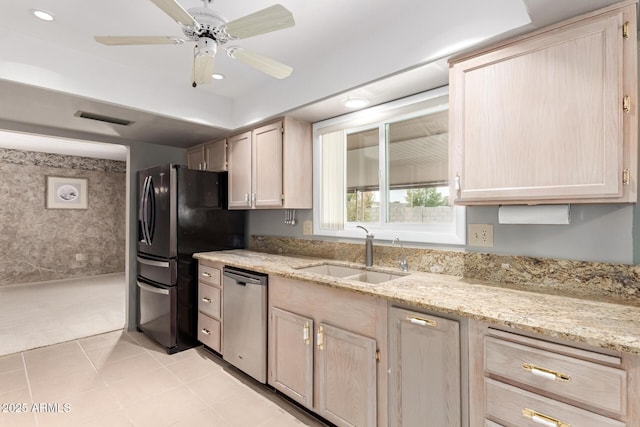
pixel 480 235
pixel 307 228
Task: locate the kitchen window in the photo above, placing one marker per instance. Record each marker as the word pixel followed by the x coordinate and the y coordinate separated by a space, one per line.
pixel 386 168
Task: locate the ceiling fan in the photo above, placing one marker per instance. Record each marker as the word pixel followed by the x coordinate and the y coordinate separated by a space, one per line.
pixel 210 31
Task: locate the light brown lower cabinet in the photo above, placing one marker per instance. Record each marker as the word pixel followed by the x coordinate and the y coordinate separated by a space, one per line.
pixel 519 379
pixel 327 351
pixel 424 368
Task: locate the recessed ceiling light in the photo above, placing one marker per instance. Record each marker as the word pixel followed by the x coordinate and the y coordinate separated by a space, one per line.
pixel 355 102
pixel 217 76
pixel 41 14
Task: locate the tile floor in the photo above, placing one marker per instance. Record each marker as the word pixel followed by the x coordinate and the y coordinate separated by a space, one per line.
pixel 38 314
pixel 124 379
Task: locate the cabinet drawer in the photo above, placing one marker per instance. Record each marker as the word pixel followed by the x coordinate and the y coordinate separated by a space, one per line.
pixel 512 406
pixel 209 332
pixel 580 381
pixel 209 275
pixel 209 300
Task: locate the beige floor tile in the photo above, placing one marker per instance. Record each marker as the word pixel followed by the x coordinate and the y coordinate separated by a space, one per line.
pixel 18 420
pixel 56 361
pixel 96 342
pixel 216 387
pixel 284 420
pixel 203 418
pixel 107 419
pixel 12 380
pixel 142 385
pixel 193 365
pixel 164 409
pixel 124 368
pixel 12 362
pixel 123 348
pixel 90 403
pixel 246 409
pixel 54 387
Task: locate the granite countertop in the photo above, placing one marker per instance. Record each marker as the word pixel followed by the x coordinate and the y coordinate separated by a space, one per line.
pixel 602 324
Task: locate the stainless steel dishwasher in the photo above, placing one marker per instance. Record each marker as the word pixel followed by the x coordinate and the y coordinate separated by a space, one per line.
pixel 245 321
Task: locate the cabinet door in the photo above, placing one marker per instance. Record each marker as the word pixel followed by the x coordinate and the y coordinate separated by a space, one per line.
pixel 346 377
pixel 195 158
pixel 267 166
pixel 541 118
pixel 291 355
pixel 215 156
pixel 424 362
pixel 239 152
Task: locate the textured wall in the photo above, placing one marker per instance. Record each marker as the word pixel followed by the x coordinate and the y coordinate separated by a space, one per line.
pixel 40 244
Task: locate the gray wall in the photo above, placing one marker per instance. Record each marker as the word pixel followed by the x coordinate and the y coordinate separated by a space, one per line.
pixel 597 233
pixel 43 244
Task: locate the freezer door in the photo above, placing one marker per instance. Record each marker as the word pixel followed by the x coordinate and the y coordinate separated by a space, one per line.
pixel 157 313
pixel 157 212
pixel 159 271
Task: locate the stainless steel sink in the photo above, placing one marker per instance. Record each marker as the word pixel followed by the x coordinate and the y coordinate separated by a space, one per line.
pixel 351 273
pixel 374 277
pixel 331 270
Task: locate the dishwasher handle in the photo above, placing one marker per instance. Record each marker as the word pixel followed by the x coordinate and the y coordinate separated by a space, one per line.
pixel 242 279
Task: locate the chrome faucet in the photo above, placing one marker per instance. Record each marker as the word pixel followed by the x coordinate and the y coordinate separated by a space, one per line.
pixel 403 259
pixel 368 247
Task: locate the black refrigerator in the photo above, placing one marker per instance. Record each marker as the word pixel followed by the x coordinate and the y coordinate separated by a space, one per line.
pixel 180 212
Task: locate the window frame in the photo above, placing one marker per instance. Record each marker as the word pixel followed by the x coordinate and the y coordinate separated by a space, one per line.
pixel 380 116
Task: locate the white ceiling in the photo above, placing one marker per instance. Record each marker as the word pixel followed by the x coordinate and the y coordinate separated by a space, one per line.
pixel 380 49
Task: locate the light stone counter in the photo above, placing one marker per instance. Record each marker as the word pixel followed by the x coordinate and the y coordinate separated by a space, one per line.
pixel 602 324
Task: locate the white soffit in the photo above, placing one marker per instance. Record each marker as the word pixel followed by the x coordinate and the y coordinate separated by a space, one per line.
pixel 47 144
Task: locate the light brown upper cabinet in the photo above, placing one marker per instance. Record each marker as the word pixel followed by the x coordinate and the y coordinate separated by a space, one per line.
pixel 270 167
pixel 549 117
pixel 210 156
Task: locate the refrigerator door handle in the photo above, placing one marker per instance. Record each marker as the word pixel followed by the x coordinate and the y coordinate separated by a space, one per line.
pixel 153 289
pixel 151 203
pixel 144 214
pixel 164 264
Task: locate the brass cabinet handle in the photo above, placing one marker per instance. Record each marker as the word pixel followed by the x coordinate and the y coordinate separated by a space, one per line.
pixel 543 419
pixel 625 30
pixel 626 104
pixel 320 338
pixel 207 300
pixel 305 333
pixel 206 331
pixel 421 321
pixel 545 373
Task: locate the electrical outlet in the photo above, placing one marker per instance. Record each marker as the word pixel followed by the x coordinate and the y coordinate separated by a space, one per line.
pixel 307 228
pixel 480 235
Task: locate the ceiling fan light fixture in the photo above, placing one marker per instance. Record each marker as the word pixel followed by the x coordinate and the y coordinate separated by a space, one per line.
pixel 355 102
pixel 42 15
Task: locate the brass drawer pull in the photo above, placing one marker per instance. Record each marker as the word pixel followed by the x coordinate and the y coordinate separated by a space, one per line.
pixel 545 373
pixel 421 321
pixel 207 300
pixel 206 331
pixel 543 419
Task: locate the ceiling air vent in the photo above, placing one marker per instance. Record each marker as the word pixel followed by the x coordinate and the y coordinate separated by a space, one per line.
pixel 101 118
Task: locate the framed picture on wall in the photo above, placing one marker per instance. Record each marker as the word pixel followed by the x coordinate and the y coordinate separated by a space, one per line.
pixel 66 193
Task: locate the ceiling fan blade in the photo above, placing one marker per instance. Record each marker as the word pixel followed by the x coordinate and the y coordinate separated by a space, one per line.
pixel 203 69
pixel 259 62
pixel 177 12
pixel 137 40
pixel 273 18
